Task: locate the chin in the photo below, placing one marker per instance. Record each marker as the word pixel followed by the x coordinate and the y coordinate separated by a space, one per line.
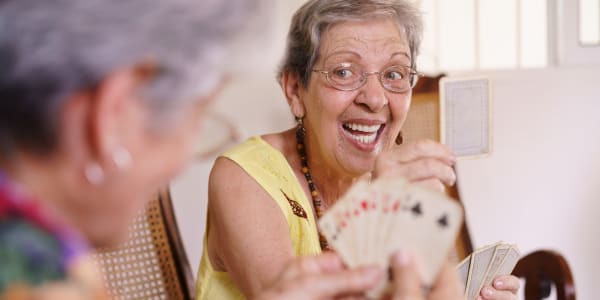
pixel 109 237
pixel 360 166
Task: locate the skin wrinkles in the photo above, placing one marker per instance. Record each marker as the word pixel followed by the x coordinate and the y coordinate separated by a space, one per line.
pixel 337 169
pixel 353 47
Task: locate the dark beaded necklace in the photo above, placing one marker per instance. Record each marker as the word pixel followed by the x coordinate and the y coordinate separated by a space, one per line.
pixel 316 199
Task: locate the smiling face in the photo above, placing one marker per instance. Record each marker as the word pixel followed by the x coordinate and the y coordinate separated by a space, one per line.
pixel 346 130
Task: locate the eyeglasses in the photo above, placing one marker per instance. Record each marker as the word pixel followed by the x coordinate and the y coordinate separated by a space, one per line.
pixel 349 77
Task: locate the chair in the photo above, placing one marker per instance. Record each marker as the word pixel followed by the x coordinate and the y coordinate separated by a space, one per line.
pixel 540 269
pixel 152 264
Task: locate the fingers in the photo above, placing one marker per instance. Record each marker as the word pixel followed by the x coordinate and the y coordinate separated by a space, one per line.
pixel 321 277
pixel 424 149
pixel 504 288
pixel 507 283
pixel 447 285
pixel 407 284
pixel 426 162
pixel 489 293
pixel 339 283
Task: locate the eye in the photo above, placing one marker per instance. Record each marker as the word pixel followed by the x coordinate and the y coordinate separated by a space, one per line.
pixel 394 74
pixel 343 73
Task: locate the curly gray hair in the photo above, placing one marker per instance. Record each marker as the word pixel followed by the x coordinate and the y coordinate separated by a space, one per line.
pixel 52 48
pixel 315 16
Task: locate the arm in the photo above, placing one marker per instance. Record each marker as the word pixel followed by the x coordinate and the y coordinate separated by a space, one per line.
pixel 248 236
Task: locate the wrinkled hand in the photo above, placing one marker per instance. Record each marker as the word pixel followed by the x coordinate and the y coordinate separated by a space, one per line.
pixel 503 288
pixel 408 286
pixel 424 162
pixel 321 277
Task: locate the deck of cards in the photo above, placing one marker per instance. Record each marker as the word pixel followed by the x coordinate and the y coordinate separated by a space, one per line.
pixel 373 221
pixel 485 264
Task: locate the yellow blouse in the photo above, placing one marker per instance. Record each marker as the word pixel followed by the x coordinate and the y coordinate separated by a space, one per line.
pixel 272 172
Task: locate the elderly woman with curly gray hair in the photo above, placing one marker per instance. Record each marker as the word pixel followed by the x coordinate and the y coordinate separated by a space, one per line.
pixel 347 75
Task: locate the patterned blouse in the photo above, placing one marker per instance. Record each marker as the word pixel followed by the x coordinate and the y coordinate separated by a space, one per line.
pixel 39 256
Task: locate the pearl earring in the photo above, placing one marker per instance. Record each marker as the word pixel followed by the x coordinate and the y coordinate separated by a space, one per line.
pixel 122 158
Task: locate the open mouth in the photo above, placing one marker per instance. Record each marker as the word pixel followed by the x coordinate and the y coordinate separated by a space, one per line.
pixel 364 134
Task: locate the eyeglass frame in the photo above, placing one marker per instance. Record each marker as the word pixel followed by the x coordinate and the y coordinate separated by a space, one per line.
pixel 412 72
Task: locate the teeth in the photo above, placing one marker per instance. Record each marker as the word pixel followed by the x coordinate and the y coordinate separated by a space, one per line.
pixel 364 128
pixel 368 132
pixel 365 139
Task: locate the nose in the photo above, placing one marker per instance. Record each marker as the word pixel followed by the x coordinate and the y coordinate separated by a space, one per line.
pixel 372 94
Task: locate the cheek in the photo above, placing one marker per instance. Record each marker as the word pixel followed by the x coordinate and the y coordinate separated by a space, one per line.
pixel 332 105
pixel 399 107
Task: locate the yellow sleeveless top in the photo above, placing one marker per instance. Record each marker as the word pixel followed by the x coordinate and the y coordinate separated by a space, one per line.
pixel 272 172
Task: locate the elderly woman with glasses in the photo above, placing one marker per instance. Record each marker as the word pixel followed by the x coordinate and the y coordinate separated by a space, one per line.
pixel 347 76
pixel 100 102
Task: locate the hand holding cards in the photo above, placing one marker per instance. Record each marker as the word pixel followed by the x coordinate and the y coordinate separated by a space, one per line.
pixel 481 267
pixel 372 221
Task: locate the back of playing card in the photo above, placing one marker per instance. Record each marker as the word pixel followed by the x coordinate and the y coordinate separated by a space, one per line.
pixel 465 113
pixel 481 267
pixel 480 260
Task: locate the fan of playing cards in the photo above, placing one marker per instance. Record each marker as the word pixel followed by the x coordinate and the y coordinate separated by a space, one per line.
pixel 372 221
pixel 481 267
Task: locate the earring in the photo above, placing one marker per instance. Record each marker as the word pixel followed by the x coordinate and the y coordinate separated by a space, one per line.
pixel 94 173
pixel 122 158
pixel 300 130
pixel 399 138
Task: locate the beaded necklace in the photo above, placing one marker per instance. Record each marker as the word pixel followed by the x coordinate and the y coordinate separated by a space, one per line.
pixel 316 199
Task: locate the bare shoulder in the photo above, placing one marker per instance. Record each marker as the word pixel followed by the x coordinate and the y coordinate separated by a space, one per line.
pixel 248 233
pixel 284 142
pixel 229 184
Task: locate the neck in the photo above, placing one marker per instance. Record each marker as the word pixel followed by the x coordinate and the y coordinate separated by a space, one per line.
pixel 44 179
pixel 330 182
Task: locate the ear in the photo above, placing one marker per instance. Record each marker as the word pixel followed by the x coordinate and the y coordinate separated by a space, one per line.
pixel 115 111
pixel 290 83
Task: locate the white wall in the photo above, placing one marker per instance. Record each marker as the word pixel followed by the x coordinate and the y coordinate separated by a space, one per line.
pixel 540 188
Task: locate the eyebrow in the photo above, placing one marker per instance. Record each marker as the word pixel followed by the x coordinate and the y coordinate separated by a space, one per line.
pixel 342 52
pixel 400 53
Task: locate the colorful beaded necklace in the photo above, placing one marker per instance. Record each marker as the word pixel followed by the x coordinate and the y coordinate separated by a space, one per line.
pixel 300 134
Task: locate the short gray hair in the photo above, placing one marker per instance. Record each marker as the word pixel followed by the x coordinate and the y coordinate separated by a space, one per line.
pixel 52 48
pixel 314 17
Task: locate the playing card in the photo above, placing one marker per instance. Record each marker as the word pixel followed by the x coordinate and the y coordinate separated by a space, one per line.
pixel 509 262
pixel 490 273
pixel 372 221
pixel 465 115
pixel 480 260
pixel 426 226
pixel 463 271
pixel 484 265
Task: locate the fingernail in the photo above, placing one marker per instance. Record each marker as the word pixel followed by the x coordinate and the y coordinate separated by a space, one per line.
pixel 452 159
pixel 402 258
pixel 499 283
pixel 487 292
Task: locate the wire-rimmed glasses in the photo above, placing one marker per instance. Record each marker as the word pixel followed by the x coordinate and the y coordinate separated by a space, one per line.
pixel 349 77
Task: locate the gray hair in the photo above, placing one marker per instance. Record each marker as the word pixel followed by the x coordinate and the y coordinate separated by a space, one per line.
pixel 51 48
pixel 315 16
